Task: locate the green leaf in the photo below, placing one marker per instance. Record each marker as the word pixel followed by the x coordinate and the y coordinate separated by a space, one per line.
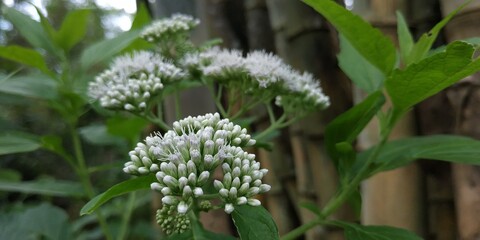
pixel 54 144
pixel 347 126
pixel 128 128
pixel 431 75
pixel 124 187
pixel 421 48
pixel 142 17
pixel 99 135
pixel 312 207
pixel 254 223
pixel 35 86
pixel 49 187
pixel 10 175
pixel 73 28
pixel 31 30
pixel 399 153
pixel 357 68
pixel 105 49
pixel 365 38
pixel 40 222
pixel 18 142
pixel 25 56
pixel 405 38
pixel 355 232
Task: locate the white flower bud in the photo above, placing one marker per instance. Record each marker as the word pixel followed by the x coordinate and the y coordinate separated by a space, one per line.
pixel 208 147
pixel 236 182
pixel 192 179
pixel 217 184
pixel 182 170
pixel 247 179
pixel 229 208
pixel 154 168
pixel 166 191
pixel 241 200
pixel 227 180
pixel 232 194
pixel 254 202
pixel 170 181
pixel 156 186
pixel 236 172
pixel 223 192
pixel 253 191
pixel 143 170
pixel 197 192
pixel 191 168
pixel 169 200
pixel 187 191
pixel 203 177
pixel 160 176
pixel 226 168
pixel 244 189
pixel 182 207
pixel 264 188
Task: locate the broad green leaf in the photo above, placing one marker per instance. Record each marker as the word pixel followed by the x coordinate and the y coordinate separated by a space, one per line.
pixel 356 232
pixel 142 17
pixel 474 41
pixel 124 187
pixel 54 143
pixel 128 128
pixel 47 27
pixel 431 75
pixel 31 30
pixel 106 49
pixel 18 142
pixel 399 153
pixel 369 41
pixel 73 28
pixel 405 39
pixel 49 187
pixel 365 75
pixel 40 222
pixel 347 126
pixel 35 86
pixel 25 56
pixel 421 48
pixel 99 135
pixel 254 223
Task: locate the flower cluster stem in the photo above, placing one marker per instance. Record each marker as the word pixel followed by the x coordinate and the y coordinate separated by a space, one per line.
pixel 83 174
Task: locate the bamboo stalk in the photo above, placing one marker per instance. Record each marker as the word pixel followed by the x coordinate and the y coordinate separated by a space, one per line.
pixel 465 98
pixel 395 197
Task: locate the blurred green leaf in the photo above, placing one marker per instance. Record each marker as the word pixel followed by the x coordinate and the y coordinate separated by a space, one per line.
pixel 356 232
pixel 106 49
pixel 99 135
pixel 431 75
pixel 142 17
pixel 254 223
pixel 129 128
pixel 10 175
pixel 366 39
pixel 73 28
pixel 40 222
pixel 25 56
pixel 124 187
pixel 365 75
pixel 401 152
pixel 31 30
pixel 312 207
pixel 347 126
pixel 421 48
pixel 17 142
pixel 405 38
pixel 35 86
pixel 49 187
pixel 47 27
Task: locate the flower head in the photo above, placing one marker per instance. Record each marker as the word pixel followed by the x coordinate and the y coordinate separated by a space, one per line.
pixel 184 158
pixel 262 75
pixel 132 80
pixel 177 24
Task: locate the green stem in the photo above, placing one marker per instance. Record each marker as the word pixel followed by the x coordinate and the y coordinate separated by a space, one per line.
pixel 274 126
pixel 84 176
pixel 157 120
pixel 345 193
pixel 126 216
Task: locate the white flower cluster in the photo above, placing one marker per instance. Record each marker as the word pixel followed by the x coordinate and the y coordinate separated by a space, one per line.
pixel 262 74
pixel 183 160
pixel 132 80
pixel 176 24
